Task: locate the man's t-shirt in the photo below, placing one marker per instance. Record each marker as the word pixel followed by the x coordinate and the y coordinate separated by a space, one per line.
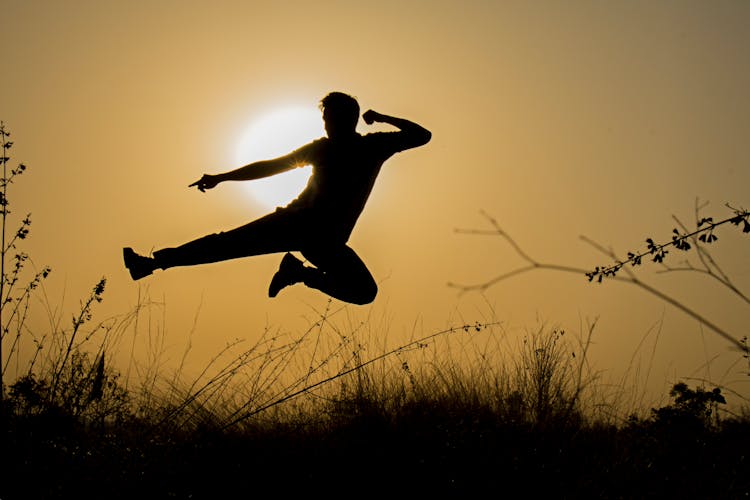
pixel 343 175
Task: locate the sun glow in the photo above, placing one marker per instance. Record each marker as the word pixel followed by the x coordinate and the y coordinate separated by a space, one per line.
pixel 275 134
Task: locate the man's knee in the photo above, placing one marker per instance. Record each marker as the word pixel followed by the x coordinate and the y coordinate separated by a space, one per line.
pixel 365 294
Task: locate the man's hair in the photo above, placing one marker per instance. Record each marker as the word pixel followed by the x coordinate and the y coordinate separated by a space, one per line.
pixel 342 107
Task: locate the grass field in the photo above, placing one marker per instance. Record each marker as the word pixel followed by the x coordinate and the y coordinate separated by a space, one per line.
pixel 454 414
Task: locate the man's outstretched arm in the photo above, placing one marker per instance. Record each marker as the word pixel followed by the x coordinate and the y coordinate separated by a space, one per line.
pixel 415 135
pixel 250 172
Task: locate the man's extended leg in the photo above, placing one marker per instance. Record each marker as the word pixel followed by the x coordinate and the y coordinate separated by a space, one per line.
pixel 279 231
pixel 339 272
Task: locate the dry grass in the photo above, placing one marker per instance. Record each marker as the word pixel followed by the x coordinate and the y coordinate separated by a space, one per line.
pixel 466 407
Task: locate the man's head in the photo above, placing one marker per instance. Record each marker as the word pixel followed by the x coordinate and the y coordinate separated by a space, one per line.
pixel 340 114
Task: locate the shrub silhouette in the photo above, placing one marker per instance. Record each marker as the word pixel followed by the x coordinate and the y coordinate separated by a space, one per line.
pixel 15 289
pixel 691 408
pixel 60 376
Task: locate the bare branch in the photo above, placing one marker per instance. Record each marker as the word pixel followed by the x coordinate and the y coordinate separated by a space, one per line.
pixel 612 271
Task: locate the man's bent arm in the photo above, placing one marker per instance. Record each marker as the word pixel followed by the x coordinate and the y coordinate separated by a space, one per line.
pixel 417 134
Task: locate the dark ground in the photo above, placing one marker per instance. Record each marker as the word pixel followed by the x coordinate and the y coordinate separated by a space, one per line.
pixel 424 453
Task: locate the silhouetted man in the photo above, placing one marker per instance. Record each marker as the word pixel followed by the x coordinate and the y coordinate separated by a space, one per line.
pixel 319 221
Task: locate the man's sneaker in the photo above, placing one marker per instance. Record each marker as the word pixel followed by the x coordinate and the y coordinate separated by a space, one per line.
pixel 289 273
pixel 138 265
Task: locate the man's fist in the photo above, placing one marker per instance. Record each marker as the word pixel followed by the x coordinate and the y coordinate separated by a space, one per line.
pixel 371 116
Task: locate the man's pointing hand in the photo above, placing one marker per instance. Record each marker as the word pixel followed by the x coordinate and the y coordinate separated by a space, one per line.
pixel 206 182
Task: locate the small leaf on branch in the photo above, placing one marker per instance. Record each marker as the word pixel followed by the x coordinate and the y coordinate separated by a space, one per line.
pixel 705 220
pixel 681 241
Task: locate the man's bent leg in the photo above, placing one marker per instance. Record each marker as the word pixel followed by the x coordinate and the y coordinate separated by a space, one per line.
pixel 340 273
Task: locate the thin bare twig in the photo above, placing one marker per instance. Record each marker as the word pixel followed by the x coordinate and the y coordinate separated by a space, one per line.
pixel 532 264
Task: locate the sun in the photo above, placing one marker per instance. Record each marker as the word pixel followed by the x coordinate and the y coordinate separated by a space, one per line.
pixel 275 134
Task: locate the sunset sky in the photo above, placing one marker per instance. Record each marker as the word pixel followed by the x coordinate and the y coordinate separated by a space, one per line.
pixel 558 119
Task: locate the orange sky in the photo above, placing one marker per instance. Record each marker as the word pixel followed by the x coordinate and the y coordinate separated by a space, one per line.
pixel 557 118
